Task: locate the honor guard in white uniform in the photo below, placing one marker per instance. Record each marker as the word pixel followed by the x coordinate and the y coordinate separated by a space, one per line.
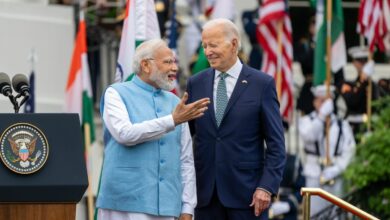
pixel 341 148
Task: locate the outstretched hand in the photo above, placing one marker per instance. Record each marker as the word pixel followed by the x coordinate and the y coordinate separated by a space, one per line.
pixel 184 113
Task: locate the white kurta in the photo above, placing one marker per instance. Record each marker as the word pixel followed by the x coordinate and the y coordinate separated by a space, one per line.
pixel 117 121
pixel 311 130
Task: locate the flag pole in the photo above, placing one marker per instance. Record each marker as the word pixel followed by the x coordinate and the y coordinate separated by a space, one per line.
pixel 369 99
pixel 87 142
pixel 278 76
pixel 32 58
pixel 279 58
pixel 328 72
pixel 369 89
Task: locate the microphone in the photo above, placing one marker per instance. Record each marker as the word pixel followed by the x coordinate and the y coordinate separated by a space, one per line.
pixel 5 85
pixel 21 85
pixel 6 90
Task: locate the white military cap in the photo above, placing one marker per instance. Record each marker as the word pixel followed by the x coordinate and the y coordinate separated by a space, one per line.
pixel 320 90
pixel 358 52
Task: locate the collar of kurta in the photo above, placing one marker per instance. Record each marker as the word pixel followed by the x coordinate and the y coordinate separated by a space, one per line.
pixel 139 82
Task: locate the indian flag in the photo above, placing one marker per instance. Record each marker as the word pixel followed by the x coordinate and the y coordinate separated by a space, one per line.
pixel 201 63
pixel 338 54
pixel 140 24
pixel 78 95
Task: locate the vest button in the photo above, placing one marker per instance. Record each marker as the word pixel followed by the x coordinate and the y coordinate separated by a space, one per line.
pixel 158 110
pixel 162 143
pixel 162 161
pixel 161 179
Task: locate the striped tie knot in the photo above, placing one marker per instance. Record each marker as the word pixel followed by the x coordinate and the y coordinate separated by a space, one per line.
pixel 223 76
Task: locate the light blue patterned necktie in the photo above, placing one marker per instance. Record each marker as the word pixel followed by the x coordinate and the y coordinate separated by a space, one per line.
pixel 222 98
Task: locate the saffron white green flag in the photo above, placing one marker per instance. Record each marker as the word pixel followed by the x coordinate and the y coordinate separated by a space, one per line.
pixel 78 95
pixel 140 24
pixel 338 51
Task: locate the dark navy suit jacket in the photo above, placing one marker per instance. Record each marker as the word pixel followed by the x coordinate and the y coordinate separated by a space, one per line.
pixel 234 158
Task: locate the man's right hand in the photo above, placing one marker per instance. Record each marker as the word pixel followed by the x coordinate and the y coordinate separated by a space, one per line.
pixel 184 113
pixel 345 88
pixel 368 69
pixel 326 109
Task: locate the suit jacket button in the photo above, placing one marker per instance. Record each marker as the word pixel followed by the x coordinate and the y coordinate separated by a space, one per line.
pixel 218 138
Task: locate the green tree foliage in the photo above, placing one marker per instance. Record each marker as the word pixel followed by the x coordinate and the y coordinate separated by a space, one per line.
pixel 369 173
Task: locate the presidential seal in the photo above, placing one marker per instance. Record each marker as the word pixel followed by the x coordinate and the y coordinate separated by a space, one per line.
pixel 23 148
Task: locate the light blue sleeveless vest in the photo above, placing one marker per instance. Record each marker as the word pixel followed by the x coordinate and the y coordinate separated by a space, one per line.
pixel 146 177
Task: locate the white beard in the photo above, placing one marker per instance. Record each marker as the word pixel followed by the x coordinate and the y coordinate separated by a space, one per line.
pixel 162 80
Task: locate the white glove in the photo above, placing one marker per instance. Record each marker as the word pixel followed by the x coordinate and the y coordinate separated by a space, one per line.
pixel 368 68
pixel 330 173
pixel 279 207
pixel 326 109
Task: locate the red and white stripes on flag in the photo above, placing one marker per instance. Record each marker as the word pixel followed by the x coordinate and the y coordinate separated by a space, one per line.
pixel 373 23
pixel 271 13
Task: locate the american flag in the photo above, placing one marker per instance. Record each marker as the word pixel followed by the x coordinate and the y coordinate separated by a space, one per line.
pixel 372 23
pixel 271 13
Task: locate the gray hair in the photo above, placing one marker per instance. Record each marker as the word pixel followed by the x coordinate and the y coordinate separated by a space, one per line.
pixel 229 29
pixel 144 51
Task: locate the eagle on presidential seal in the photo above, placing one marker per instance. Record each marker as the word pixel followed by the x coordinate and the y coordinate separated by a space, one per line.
pixel 23 146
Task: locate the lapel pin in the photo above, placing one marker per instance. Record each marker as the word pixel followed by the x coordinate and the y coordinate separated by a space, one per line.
pixel 244 81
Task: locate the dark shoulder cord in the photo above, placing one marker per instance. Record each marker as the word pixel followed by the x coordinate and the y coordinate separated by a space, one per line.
pixel 336 153
pixel 340 124
pixel 315 143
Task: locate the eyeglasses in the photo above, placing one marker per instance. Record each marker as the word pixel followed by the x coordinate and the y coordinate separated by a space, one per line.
pixel 166 61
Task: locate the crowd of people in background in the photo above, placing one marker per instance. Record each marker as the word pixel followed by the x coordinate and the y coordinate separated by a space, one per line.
pixel 320 168
pixel 315 105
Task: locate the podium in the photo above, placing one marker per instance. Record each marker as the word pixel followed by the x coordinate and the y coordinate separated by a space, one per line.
pixel 42 168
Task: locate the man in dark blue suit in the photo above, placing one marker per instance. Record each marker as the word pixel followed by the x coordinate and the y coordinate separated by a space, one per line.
pixel 236 173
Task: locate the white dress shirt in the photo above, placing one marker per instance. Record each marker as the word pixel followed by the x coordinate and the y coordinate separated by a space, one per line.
pixel 117 121
pixel 231 80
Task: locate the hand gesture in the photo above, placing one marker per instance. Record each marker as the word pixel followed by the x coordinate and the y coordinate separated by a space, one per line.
pixel 260 201
pixel 184 113
pixel 330 173
pixel 345 88
pixel 368 69
pixel 326 109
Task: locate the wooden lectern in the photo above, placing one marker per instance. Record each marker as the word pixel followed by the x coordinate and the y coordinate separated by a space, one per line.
pixel 52 191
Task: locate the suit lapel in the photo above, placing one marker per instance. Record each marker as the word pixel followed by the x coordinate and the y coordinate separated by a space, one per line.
pixel 209 86
pixel 241 85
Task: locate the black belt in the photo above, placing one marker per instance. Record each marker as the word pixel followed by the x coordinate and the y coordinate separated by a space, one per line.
pixel 312 152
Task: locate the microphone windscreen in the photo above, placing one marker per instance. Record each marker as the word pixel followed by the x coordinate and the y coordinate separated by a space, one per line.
pixel 4 81
pixel 18 81
pixel 4 78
